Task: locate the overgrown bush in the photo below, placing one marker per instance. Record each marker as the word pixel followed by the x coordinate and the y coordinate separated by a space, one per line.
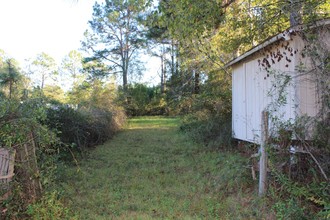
pixel 211 129
pixel 207 116
pixel 36 154
pixel 140 99
pixel 83 128
pixel 292 200
pixel 43 134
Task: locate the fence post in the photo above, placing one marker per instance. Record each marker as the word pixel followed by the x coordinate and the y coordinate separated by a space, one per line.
pixel 263 154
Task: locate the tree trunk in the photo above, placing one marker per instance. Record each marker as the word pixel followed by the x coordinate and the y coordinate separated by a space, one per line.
pixel 162 74
pixel 197 81
pixel 10 79
pixel 42 81
pixel 177 61
pixel 172 58
pixel 125 70
pixel 164 77
pixel 125 80
pixel 295 16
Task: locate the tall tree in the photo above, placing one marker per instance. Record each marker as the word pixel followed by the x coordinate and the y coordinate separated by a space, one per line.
pixel 44 67
pixel 116 34
pixel 72 66
pixel 9 75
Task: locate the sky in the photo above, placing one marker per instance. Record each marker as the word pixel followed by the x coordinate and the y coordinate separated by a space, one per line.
pixel 29 27
pixel 34 26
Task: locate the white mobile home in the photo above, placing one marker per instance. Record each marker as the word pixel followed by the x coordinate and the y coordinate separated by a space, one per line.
pixel 258 77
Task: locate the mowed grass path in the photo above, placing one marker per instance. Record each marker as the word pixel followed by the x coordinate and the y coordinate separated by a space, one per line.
pixel 151 170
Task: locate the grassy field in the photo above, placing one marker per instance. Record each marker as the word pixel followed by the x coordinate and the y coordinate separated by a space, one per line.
pixel 151 170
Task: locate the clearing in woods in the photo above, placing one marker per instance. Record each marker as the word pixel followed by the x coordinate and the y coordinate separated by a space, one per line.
pixel 151 170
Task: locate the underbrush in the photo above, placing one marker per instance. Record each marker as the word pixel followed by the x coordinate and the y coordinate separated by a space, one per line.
pixel 207 115
pixel 50 206
pixel 209 128
pixel 297 188
pixel 44 136
pixel 80 129
pixel 291 200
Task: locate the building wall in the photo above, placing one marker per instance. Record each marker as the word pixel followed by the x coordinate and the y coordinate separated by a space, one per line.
pixel 257 84
pixel 239 102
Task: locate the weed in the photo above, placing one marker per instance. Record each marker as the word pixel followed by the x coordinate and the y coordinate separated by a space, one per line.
pixel 50 208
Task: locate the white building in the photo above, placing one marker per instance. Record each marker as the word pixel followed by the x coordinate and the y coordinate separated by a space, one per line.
pixel 256 75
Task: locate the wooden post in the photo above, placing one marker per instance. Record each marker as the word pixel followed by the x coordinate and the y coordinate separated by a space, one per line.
pixel 263 154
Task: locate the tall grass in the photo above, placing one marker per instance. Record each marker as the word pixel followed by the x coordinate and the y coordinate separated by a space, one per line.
pixel 153 171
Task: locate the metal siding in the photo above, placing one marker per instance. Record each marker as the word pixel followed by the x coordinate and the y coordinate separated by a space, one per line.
pixel 239 102
pixel 306 89
pixel 282 67
pixel 254 90
pixel 252 104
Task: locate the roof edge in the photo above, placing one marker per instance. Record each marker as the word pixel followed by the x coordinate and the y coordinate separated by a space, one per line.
pixel 285 35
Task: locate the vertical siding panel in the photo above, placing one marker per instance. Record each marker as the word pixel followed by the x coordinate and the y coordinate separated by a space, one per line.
pixel 252 91
pixel 306 91
pixel 239 102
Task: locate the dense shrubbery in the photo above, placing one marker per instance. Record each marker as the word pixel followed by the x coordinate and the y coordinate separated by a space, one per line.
pixel 36 153
pixel 140 99
pixel 43 135
pixel 209 128
pixel 207 116
pixel 81 128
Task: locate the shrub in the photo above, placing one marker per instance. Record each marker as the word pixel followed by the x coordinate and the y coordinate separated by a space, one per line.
pixel 36 154
pixel 209 128
pixel 140 99
pixel 83 128
pixel 209 122
pixel 50 207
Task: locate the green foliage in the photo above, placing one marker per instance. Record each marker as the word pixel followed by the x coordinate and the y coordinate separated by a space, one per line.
pixel 95 93
pixel 80 128
pixel 72 66
pixel 141 99
pixel 293 200
pixel 20 126
pixel 321 134
pixel 17 119
pixel 50 207
pixel 9 77
pixel 54 93
pixel 207 116
pixel 207 128
pixel 289 209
